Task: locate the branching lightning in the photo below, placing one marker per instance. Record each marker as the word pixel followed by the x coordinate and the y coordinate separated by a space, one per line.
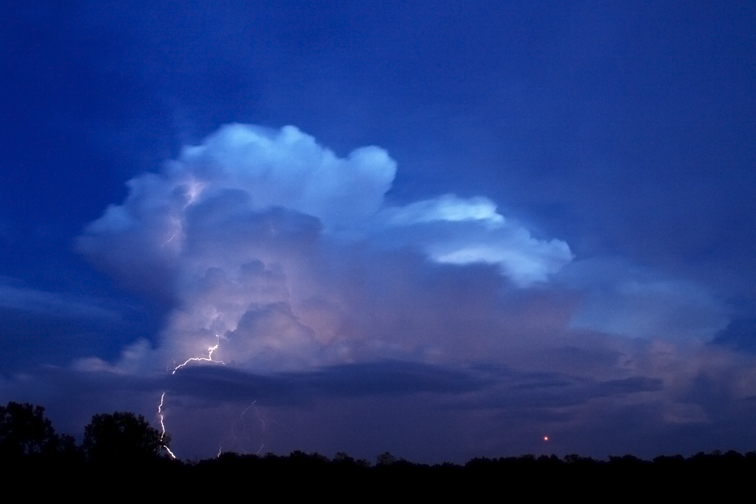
pixel 161 416
pixel 240 436
pixel 209 357
pixel 259 417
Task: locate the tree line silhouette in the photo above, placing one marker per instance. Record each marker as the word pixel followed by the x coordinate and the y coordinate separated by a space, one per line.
pixel 122 447
pixel 27 436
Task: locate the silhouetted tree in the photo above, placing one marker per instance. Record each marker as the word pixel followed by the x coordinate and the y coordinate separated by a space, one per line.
pixel 386 459
pixel 25 432
pixel 122 437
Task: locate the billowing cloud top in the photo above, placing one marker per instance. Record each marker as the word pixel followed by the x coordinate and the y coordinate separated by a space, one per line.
pixel 287 168
pixel 269 244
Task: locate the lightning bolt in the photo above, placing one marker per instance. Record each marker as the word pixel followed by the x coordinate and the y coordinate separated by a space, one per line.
pixel 161 416
pixel 193 191
pixel 240 436
pixel 259 417
pixel 209 357
pixel 169 240
pixel 176 228
pixel 262 421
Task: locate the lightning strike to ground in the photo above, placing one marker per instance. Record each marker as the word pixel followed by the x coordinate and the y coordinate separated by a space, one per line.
pixel 260 418
pixel 161 417
pixel 240 436
pixel 262 421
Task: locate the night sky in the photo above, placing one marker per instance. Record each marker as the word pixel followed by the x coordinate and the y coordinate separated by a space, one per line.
pixel 441 229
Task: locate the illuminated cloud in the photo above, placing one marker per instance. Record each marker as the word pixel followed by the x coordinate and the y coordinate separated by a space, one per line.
pixel 286 168
pixel 453 230
pixel 236 172
pixel 282 251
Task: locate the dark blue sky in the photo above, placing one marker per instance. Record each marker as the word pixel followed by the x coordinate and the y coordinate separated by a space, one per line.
pixel 491 221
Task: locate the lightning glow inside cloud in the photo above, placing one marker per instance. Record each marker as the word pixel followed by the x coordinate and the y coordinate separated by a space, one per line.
pixel 284 257
pixel 263 238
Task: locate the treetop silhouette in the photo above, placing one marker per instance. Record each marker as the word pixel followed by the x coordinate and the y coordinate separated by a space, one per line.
pixel 25 432
pixel 122 437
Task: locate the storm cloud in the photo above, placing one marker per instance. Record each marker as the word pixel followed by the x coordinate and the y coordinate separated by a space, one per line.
pixel 289 257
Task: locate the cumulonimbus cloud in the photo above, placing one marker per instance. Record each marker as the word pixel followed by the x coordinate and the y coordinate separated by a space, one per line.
pixel 265 240
pixel 286 266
